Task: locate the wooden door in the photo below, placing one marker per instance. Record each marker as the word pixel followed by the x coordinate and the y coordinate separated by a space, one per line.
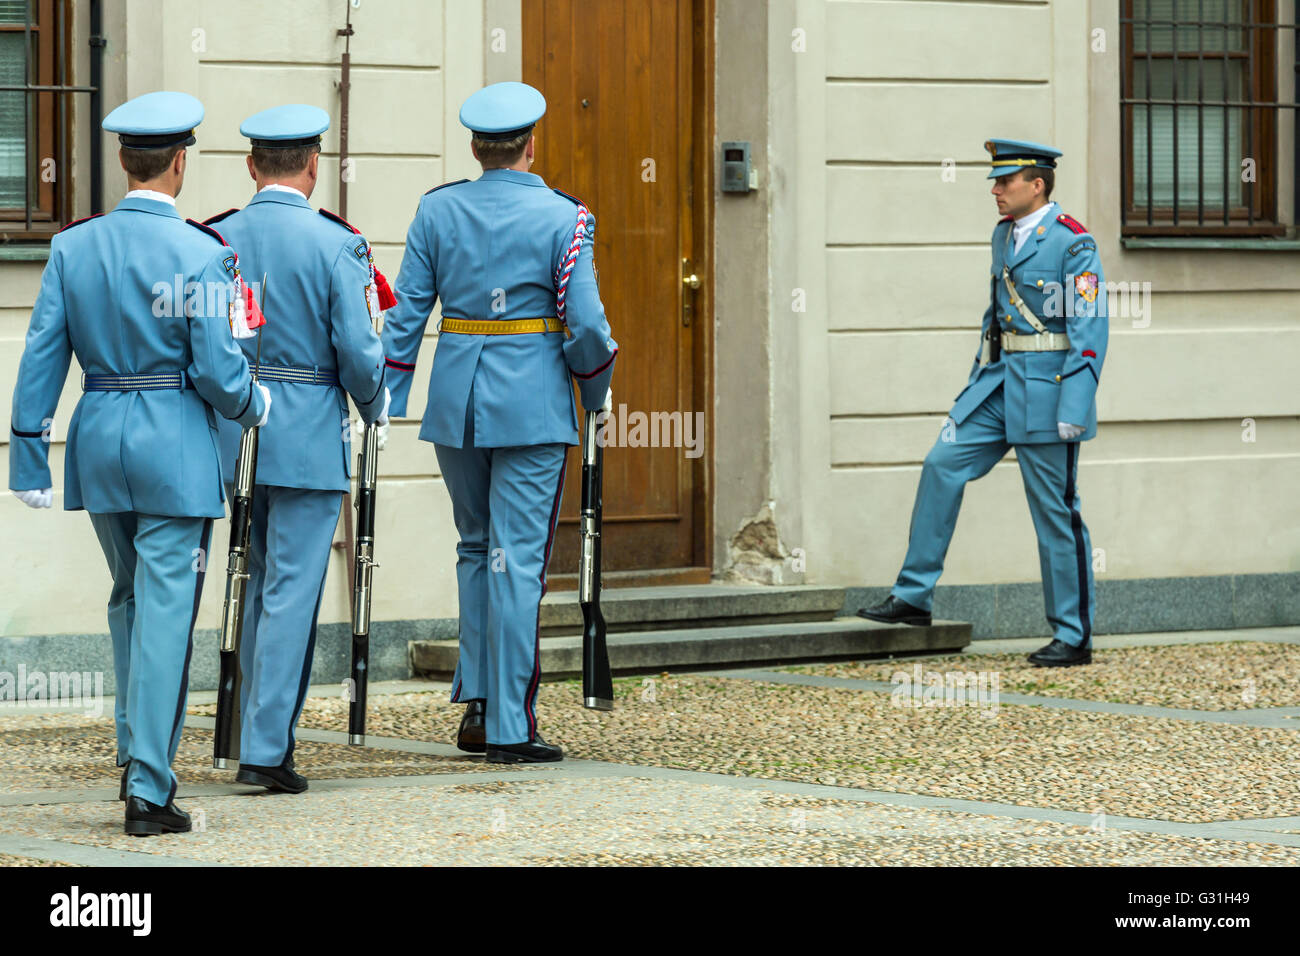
pixel 626 130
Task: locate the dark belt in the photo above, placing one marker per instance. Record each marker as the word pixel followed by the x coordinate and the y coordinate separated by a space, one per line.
pixel 141 382
pixel 156 381
pixel 301 376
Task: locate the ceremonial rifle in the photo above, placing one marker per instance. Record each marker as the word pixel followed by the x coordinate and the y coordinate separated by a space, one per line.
pixel 363 567
pixel 597 684
pixel 224 747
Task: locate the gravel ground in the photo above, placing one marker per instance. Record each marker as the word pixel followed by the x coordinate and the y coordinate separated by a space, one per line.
pixel 624 821
pixel 1240 675
pixel 57 751
pixel 8 859
pixel 1145 767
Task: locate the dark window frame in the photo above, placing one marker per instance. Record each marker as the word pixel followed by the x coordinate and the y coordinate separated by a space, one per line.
pixel 48 113
pixel 1259 215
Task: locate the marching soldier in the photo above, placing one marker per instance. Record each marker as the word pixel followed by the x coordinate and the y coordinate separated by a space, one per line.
pixel 511 261
pixel 320 300
pixel 142 298
pixel 1033 387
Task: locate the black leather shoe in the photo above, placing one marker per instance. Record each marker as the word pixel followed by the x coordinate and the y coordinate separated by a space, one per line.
pixel 472 736
pixel 148 819
pixel 1060 654
pixel 893 611
pixel 535 751
pixel 121 790
pixel 282 778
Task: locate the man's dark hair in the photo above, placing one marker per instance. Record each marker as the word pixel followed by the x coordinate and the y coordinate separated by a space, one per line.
pixel 143 165
pixel 494 153
pixel 283 162
pixel 1048 176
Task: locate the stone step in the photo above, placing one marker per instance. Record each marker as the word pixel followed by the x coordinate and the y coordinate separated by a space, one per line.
pixel 648 652
pixel 692 605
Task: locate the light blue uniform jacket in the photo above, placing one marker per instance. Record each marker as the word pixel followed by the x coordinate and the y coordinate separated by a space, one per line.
pixel 118 291
pixel 489 249
pixel 316 317
pixel 1057 271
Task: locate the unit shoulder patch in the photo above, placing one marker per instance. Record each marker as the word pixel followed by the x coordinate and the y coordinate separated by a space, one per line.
pixel 213 220
pixel 340 220
pixel 1086 285
pixel 1082 245
pixel 1069 222
pixel 78 222
pixel 208 229
pixel 456 182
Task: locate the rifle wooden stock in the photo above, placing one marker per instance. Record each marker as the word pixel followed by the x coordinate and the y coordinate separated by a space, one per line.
pixel 224 746
pixel 364 565
pixel 597 682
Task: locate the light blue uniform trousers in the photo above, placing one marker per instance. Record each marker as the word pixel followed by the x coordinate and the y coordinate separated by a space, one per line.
pixel 157 564
pixel 505 502
pixel 292 530
pixel 1049 472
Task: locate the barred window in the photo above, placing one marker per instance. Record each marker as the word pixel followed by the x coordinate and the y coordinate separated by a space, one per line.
pixel 34 62
pixel 1200 109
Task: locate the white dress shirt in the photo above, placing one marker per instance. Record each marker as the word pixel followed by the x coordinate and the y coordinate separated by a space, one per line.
pixel 280 188
pixel 1025 224
pixel 150 194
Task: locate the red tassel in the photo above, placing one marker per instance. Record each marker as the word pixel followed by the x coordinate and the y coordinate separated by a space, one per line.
pixel 386 298
pixel 253 312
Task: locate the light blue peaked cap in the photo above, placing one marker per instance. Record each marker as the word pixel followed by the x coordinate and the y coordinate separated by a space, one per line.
pixel 1010 155
pixel 503 110
pixel 286 127
pixel 155 120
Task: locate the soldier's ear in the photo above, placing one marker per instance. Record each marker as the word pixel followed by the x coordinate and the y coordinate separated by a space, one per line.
pixel 313 165
pixel 252 170
pixel 178 162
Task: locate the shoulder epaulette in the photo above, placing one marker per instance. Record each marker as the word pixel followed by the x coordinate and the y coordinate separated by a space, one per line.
pixel 208 229
pixel 212 220
pixel 78 222
pixel 340 220
pixel 1069 222
pixel 573 199
pixel 445 185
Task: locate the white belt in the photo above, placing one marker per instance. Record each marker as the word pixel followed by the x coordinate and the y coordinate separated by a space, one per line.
pixel 1042 342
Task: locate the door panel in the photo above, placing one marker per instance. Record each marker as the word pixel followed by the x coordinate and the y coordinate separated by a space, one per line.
pixel 620 133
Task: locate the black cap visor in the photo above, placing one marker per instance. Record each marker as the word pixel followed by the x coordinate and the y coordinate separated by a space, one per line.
pixel 162 141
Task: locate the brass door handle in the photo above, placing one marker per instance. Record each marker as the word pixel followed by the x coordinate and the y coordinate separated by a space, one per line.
pixel 689 281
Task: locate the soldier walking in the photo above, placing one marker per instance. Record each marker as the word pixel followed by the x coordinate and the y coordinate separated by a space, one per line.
pixel 141 456
pixel 321 300
pixel 511 261
pixel 1033 387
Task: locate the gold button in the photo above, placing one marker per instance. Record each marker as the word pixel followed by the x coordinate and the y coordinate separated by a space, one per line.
pixel 1058 378
pixel 1008 317
pixel 1040 283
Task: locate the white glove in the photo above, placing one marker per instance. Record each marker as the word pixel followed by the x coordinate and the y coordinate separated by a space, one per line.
pixel 1068 432
pixel 266 411
pixel 36 498
pixel 388 400
pixel 609 401
pixel 381 439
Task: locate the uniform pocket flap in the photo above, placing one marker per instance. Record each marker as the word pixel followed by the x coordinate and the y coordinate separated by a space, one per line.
pixel 1041 397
